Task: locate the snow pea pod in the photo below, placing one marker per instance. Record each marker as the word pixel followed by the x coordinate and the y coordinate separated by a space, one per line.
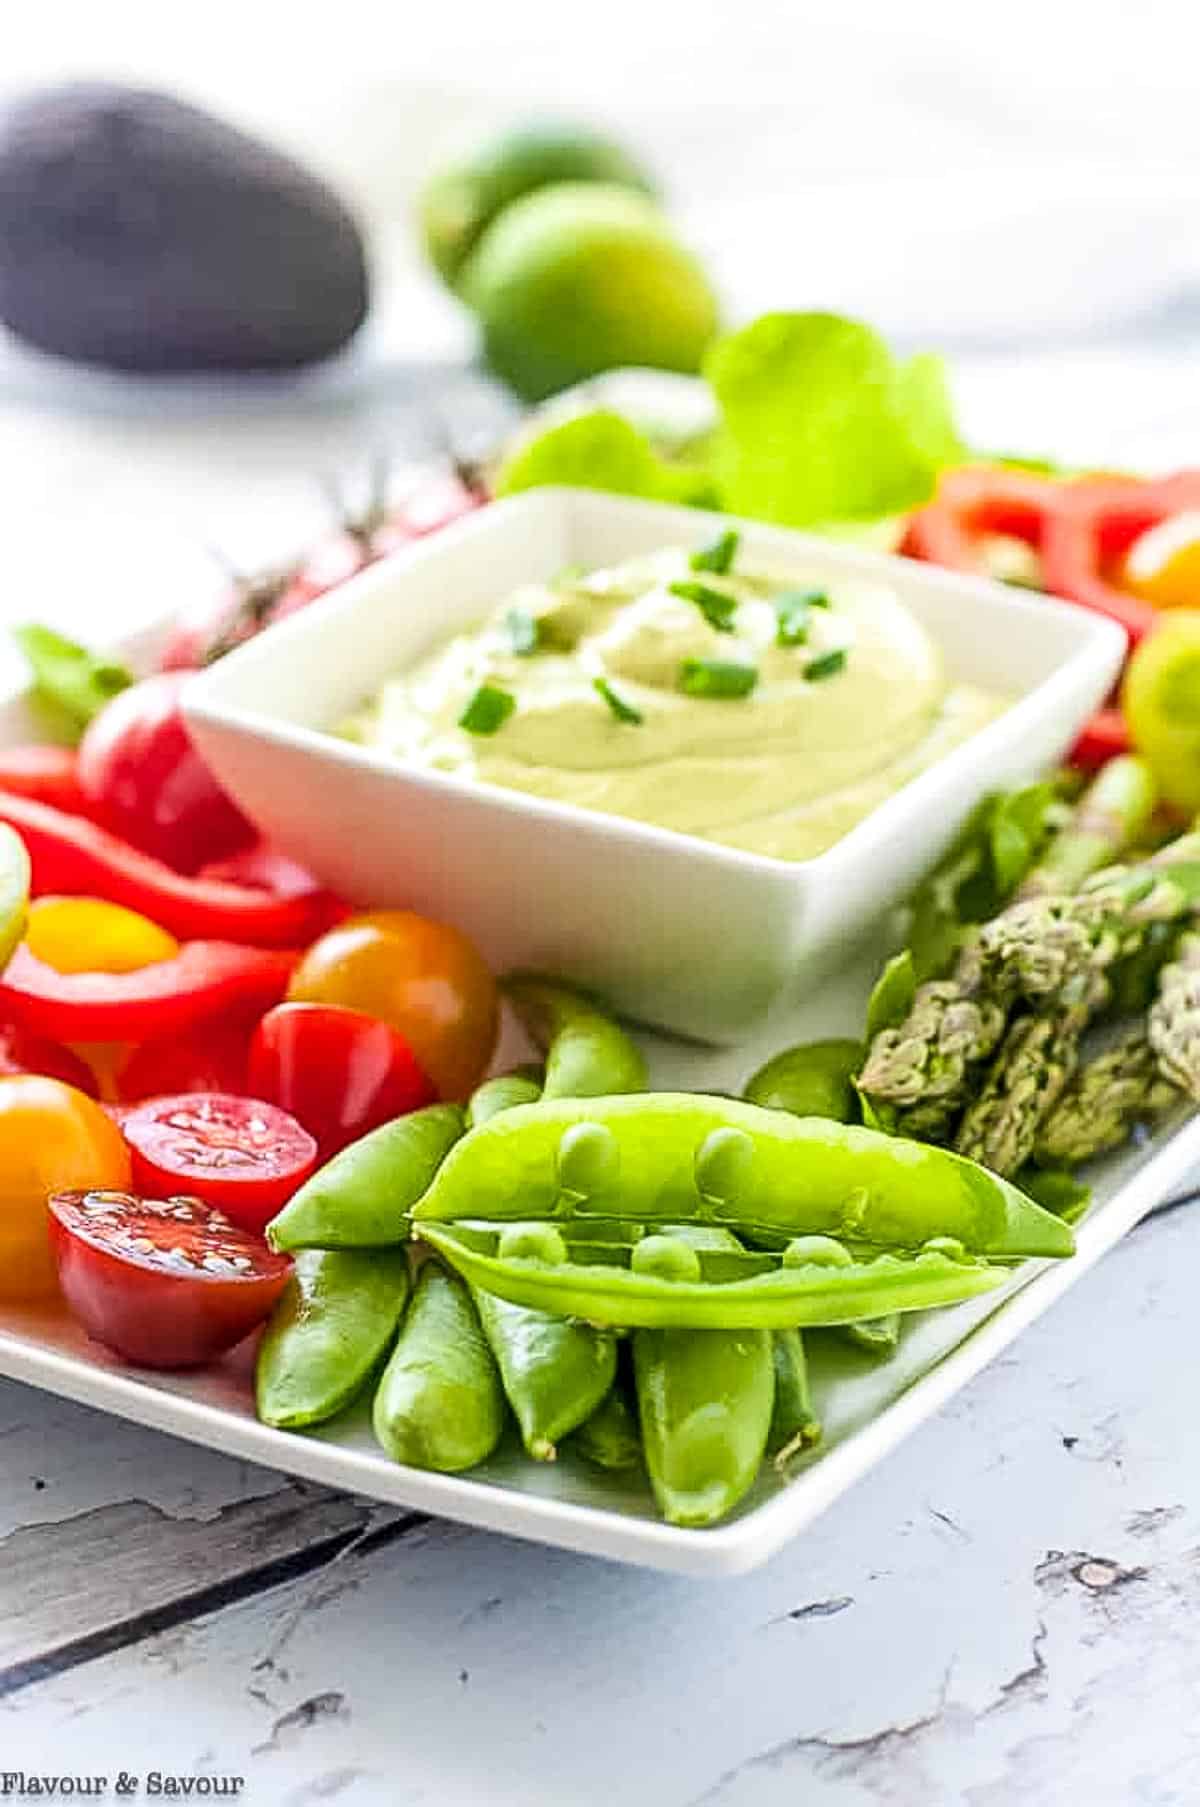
pixel 878 1336
pixel 332 1323
pixel 361 1198
pixel 705 1399
pixel 679 1157
pixel 440 1404
pixel 813 1080
pixel 501 1094
pixel 587 1054
pixel 555 1371
pixel 794 1425
pixel 605 1283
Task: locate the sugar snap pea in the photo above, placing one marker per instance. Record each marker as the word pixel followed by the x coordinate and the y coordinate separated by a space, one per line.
pixel 878 1336
pixel 332 1323
pixel 439 1403
pixel 523 1086
pixel 679 1157
pixel 705 1399
pixel 813 1080
pixel 611 1438
pixel 554 1371
pixel 587 1054
pixel 361 1198
pixel 794 1425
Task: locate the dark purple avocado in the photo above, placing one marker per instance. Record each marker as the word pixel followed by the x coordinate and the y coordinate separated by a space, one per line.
pixel 141 233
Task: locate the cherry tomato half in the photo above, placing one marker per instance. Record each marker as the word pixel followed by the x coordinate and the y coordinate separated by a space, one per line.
pixel 212 1058
pixel 424 978
pixel 239 1155
pixel 167 1283
pixel 51 1137
pixel 144 780
pixel 337 1072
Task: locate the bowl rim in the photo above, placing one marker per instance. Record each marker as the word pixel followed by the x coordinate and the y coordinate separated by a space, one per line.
pixel 1101 643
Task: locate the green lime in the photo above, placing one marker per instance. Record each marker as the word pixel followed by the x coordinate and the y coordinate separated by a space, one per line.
pixel 461 201
pixel 583 277
pixel 14 891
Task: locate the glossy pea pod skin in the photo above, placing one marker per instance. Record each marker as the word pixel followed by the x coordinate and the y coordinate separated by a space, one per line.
pixel 362 1197
pixel 439 1404
pixel 330 1327
pixel 795 1426
pixel 879 1337
pixel 555 1371
pixel 588 1055
pixel 813 1080
pixel 522 1086
pixel 611 1438
pixel 677 1157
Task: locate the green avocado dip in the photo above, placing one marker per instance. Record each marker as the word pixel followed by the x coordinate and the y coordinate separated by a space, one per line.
pixel 756 710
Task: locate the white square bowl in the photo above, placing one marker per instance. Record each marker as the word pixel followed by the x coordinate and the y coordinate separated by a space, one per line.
pixel 672 930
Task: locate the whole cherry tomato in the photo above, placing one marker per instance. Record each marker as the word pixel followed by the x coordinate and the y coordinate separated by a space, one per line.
pixel 211 1058
pixel 90 935
pixel 144 780
pixel 239 1155
pixel 164 1282
pixel 424 978
pixel 51 1137
pixel 337 1072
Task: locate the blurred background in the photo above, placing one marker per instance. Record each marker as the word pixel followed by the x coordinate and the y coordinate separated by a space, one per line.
pixel 1015 186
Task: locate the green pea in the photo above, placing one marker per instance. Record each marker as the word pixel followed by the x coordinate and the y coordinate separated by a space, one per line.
pixel 794 1425
pixel 705 1399
pixel 501 1094
pixel 362 1197
pixel 814 1080
pixel 589 1160
pixel 554 1371
pixel 332 1323
pixel 531 1242
pixel 725 1166
pixel 816 1251
pixel 949 1246
pixel 667 1257
pixel 440 1404
pixel 587 1054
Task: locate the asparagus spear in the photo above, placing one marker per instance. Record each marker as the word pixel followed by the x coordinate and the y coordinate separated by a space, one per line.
pixel 1114 810
pixel 1108 1096
pixel 1174 1020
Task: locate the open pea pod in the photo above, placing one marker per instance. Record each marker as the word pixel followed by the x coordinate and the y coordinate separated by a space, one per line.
pixel 677 1157
pixel 691 1290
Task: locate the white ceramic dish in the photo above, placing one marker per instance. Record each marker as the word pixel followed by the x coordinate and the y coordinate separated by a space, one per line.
pixel 674 931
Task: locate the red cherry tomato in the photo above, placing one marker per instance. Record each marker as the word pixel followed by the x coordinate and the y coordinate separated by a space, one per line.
pixel 336 1071
pixel 145 781
pixel 212 1058
pixel 21 1052
pixel 239 1155
pixel 167 1283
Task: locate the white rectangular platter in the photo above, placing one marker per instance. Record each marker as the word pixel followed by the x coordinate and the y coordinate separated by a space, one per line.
pixel 867 1407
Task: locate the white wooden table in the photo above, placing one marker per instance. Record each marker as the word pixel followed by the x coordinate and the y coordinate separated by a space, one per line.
pixel 1007 1612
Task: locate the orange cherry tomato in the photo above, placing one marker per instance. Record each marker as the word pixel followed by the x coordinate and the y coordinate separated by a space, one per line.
pixel 423 978
pixel 52 1138
pixel 1163 564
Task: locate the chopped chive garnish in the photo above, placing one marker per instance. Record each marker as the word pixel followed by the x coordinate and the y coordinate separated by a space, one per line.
pixel 826 665
pixel 792 610
pixel 488 710
pixel 717 608
pixel 716 678
pixel 623 711
pixel 524 632
pixel 718 557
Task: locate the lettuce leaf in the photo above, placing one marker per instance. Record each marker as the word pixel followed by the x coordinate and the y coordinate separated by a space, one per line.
pixel 819 422
pixel 76 682
pixel 600 450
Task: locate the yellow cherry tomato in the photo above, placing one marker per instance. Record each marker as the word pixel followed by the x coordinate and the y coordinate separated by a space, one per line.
pixel 423 978
pixel 52 1139
pixel 1161 700
pixel 1163 564
pixel 88 935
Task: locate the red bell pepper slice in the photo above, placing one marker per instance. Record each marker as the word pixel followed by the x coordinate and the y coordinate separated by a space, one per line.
pixel 47 774
pixel 205 979
pixel 1096 523
pixel 76 858
pixel 977 500
pixel 1106 735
